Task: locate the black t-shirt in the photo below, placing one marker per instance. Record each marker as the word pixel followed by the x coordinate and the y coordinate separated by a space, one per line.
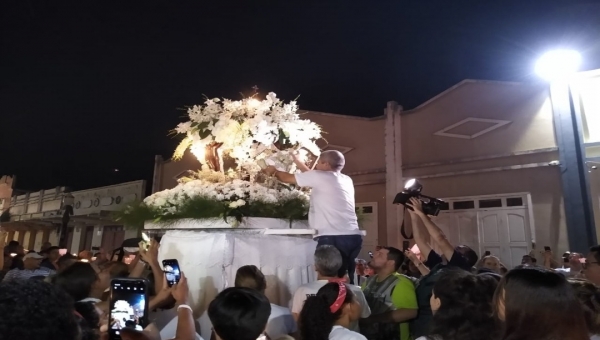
pixel 457 260
pixel 420 326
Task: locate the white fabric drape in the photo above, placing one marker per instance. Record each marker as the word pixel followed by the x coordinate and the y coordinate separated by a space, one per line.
pixel 210 260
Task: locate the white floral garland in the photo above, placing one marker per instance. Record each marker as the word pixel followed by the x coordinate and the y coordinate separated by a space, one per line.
pixel 168 201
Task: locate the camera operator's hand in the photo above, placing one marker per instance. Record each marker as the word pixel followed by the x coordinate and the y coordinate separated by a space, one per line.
pixel 416 206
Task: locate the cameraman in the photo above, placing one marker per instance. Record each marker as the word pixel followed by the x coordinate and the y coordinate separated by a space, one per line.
pixel 461 256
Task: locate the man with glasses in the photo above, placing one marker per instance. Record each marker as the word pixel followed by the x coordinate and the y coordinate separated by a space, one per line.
pixel 591 268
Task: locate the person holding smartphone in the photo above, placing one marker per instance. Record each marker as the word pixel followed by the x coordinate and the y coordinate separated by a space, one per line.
pixel 185 328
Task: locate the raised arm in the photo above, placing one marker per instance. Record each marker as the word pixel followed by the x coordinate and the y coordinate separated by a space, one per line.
pixel 150 256
pixel 281 176
pixel 436 234
pixel 300 164
pixel 186 328
pixel 419 234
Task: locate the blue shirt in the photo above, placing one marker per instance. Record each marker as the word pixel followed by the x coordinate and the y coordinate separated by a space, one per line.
pixel 25 274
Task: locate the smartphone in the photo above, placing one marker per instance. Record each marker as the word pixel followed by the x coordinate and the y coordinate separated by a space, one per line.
pixel 405 245
pixel 487 253
pixel 172 271
pixel 546 248
pixel 128 306
pixel 62 251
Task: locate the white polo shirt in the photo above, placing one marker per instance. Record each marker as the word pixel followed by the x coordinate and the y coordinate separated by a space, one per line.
pixel 332 210
pixel 341 333
pixel 281 322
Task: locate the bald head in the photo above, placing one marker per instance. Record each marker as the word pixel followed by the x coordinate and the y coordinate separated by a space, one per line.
pixel 334 159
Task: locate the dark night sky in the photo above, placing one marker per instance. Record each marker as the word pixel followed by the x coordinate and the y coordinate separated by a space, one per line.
pixel 90 86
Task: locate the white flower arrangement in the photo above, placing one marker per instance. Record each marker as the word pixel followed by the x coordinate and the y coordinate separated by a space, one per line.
pixel 249 130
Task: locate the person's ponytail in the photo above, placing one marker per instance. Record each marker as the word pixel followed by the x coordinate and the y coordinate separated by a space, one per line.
pixel 316 319
pixel 320 312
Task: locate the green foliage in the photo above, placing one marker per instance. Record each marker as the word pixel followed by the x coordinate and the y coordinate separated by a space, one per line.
pixel 135 215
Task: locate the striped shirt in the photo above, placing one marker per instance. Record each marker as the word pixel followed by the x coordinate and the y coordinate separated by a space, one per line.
pixel 25 274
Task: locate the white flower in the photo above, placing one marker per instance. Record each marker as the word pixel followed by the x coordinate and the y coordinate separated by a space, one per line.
pixel 248 129
pixel 237 204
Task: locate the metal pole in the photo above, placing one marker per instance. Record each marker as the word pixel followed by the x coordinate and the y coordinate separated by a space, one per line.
pixel 578 208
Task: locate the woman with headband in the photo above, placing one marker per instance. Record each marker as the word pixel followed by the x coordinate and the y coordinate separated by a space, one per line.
pixel 327 315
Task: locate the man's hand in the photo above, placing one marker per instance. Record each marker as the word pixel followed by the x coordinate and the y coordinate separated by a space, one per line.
pixel 165 293
pixel 180 291
pixel 150 255
pixel 416 206
pixel 270 170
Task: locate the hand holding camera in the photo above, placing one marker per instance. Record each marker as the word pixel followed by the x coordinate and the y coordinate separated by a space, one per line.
pixel 415 206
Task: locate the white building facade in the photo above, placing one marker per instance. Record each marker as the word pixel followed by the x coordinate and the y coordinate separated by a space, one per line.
pixel 36 216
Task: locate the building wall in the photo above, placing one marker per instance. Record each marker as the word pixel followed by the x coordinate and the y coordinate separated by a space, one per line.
pixel 526 108
pixel 93 201
pixel 513 158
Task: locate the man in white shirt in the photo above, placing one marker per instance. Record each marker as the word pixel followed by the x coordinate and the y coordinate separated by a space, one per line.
pixel 332 210
pixel 328 261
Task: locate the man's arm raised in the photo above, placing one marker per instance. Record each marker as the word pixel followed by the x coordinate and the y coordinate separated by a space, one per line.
pixel 281 176
pixel 436 234
pixel 300 164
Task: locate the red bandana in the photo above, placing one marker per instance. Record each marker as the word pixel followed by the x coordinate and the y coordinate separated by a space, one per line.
pixel 337 304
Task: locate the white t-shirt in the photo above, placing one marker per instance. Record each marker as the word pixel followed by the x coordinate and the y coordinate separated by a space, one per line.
pixel 281 322
pixel 332 209
pixel 341 333
pixel 312 288
pixel 170 330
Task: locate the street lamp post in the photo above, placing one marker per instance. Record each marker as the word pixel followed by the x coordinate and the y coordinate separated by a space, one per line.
pixel 559 67
pixel 66 208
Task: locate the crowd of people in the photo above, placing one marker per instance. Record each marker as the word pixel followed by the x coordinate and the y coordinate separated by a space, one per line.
pixel 402 295
pixel 418 293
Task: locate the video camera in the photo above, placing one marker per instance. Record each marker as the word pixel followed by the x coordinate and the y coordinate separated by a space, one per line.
pixel 431 205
